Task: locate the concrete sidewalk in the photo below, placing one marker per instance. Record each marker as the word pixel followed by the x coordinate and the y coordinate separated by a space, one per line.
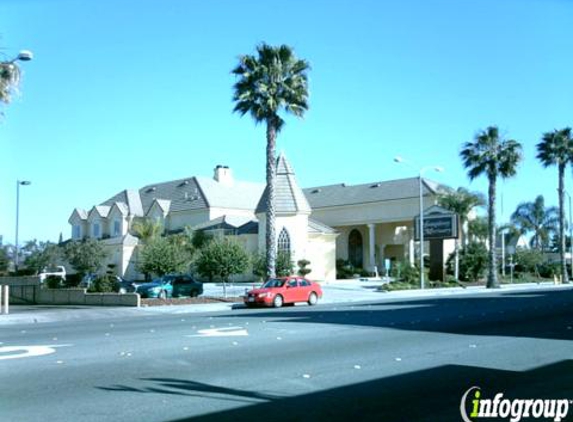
pixel 336 291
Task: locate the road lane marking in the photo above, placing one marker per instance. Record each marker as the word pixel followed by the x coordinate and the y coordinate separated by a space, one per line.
pixel 18 352
pixel 221 332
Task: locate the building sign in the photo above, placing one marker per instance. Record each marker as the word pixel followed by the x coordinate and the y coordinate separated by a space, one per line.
pixel 439 223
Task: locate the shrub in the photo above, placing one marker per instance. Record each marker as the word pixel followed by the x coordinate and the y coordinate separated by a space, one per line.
pixel 104 284
pixel 473 262
pixel 72 280
pixel 302 267
pixel 409 273
pixel 344 269
pixel 54 282
pixel 527 261
pixel 549 269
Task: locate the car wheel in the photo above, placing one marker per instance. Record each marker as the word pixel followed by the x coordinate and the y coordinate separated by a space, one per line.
pixel 312 299
pixel 278 301
pixel 194 293
pixel 162 294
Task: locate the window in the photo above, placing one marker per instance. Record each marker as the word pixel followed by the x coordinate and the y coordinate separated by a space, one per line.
pixel 355 248
pixel 284 241
pixel 116 228
pixel 96 230
pixel 304 282
pixel 76 232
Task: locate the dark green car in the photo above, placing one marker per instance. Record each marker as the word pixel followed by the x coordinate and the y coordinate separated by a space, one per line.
pixel 171 286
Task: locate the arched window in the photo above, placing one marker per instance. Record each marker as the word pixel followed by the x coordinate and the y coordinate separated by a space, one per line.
pixel 355 248
pixel 283 244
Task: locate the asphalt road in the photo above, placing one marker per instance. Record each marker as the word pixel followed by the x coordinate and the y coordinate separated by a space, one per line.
pixel 403 360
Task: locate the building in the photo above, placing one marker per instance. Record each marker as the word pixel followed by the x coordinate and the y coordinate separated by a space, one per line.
pixel 363 224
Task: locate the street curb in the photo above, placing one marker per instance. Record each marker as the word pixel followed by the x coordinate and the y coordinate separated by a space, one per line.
pixel 94 313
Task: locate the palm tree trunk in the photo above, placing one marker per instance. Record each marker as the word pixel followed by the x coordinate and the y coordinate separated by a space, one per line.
pixel 564 275
pixel 271 244
pixel 492 281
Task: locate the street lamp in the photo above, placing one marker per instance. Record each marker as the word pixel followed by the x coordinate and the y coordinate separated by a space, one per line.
pixel 570 234
pixel 421 171
pixel 18 184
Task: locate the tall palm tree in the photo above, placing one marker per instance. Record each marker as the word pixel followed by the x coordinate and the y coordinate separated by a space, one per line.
pixel 556 148
pixel 535 217
pixel 462 202
pixel 273 81
pixel 494 157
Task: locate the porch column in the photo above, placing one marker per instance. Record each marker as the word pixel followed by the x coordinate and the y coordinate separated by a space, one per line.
pixel 371 250
pixel 411 256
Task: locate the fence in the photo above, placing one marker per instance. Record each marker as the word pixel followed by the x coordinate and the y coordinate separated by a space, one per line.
pixel 29 291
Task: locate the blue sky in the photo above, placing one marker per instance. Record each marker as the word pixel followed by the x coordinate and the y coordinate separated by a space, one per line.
pixel 124 93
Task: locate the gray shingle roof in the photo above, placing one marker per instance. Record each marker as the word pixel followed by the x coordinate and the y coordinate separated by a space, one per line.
pixel 289 197
pixel 341 194
pixel 315 226
pixel 239 195
pixel 224 222
pixel 184 194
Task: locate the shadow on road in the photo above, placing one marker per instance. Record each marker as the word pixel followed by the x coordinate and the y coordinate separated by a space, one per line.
pixel 428 395
pixel 510 315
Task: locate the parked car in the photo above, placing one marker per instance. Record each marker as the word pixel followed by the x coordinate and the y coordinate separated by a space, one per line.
pixel 171 286
pixel 58 271
pixel 279 291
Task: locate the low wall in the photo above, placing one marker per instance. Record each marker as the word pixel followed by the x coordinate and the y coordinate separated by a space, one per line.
pixel 27 290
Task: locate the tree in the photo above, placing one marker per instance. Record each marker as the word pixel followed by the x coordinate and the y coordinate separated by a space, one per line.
pixel 4 260
pixel 41 255
pixel 147 229
pixel 273 81
pixel 535 217
pixel 494 157
pixel 285 265
pixel 462 202
pixel 222 258
pixel 9 80
pixel 163 256
pixel 85 256
pixel 478 229
pixel 556 148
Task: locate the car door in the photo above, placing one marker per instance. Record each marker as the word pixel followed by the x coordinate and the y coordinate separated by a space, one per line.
pixel 291 291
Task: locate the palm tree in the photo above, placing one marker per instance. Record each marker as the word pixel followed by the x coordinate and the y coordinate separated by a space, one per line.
pixel 535 217
pixel 9 80
pixel 556 148
pixel 478 229
pixel 495 157
pixel 462 202
pixel 271 82
pixel 147 229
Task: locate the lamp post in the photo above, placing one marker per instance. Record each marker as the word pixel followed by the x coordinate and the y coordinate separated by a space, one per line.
pixel 570 234
pixel 421 171
pixel 18 184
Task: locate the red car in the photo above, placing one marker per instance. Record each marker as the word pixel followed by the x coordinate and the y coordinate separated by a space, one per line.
pixel 278 291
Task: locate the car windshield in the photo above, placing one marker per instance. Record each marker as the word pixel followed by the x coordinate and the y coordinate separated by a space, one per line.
pixel 274 282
